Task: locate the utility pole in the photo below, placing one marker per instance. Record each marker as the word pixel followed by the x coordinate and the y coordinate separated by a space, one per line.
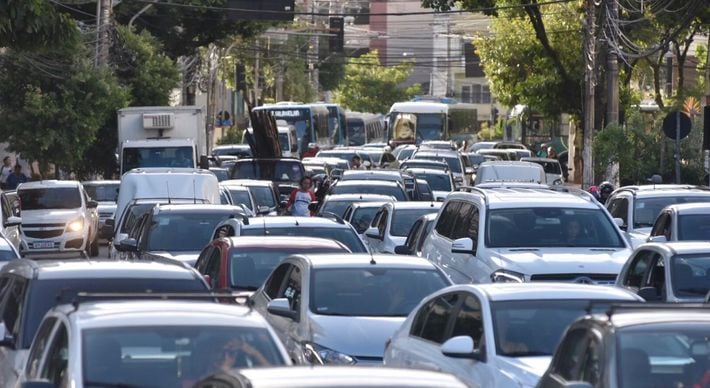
pixel 257 64
pixel 589 81
pixel 103 31
pixel 612 71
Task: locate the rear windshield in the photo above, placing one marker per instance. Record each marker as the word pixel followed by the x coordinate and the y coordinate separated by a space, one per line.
pixel 54 198
pixel 344 235
pixel 45 294
pixel 178 231
pixel 647 209
pixel 453 162
pixel 437 182
pixel 336 207
pixel 264 196
pixel 694 227
pixel 103 193
pixel 269 170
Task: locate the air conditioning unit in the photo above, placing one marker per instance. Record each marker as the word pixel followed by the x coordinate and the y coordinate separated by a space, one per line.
pixel 158 120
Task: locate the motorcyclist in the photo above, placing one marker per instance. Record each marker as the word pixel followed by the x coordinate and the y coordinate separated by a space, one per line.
pixel 605 190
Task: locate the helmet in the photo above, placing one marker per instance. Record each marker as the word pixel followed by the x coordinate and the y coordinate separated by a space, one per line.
pixel 606 187
pixel 593 189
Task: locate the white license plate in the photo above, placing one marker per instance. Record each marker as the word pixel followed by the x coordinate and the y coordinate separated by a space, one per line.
pixel 43 245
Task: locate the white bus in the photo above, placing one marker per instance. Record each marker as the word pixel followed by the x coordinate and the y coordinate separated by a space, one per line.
pixel 416 121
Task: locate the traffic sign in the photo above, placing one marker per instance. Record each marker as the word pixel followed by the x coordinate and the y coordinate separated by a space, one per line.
pixel 676 121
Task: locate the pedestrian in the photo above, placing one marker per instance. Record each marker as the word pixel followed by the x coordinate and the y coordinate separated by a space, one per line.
pixel 15 178
pixel 605 190
pixel 301 197
pixel 5 170
pixel 356 163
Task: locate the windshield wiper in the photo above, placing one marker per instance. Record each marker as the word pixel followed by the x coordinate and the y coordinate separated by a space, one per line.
pixel 106 384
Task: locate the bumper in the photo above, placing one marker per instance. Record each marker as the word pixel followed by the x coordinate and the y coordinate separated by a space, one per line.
pixel 67 242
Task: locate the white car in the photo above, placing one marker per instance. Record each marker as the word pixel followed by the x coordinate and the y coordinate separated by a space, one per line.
pixel 552 167
pixel 392 223
pixel 523 232
pixel 682 222
pixel 10 223
pixel 106 194
pixel 58 216
pixel 494 335
pixel 637 207
pixel 166 343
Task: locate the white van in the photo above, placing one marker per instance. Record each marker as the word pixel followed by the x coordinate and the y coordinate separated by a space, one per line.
pixel 505 171
pixel 288 139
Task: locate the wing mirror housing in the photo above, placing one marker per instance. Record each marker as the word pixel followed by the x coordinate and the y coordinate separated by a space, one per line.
pixel 13 221
pixel 463 245
pixel 91 204
pixel 470 170
pixel 462 347
pixel 402 250
pixel 282 308
pixel 658 239
pixel 263 210
pixel 373 232
pixel 128 245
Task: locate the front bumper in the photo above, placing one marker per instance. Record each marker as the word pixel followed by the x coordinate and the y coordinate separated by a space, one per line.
pixel 66 242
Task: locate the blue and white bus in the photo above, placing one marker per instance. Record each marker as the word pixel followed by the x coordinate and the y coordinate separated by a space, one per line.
pixel 412 122
pixel 364 128
pixel 310 121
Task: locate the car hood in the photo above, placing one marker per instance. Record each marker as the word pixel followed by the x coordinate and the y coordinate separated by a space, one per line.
pixel 50 216
pixel 525 370
pixel 189 257
pixel 562 260
pixel 354 336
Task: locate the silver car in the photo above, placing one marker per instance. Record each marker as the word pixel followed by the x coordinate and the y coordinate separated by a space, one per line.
pixel 341 309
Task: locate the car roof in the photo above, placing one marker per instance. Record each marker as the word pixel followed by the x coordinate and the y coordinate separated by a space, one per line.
pixel 357 260
pixel 233 187
pixel 197 208
pixel 99 269
pixel 431 171
pixel 548 290
pixel 663 190
pixel 395 174
pixel 513 196
pixel 405 205
pixel 268 242
pixel 691 208
pixel 123 313
pixel 47 184
pixel 359 198
pixel 291 221
pixel 246 182
pixel 373 182
pixel 679 247
pixel 628 318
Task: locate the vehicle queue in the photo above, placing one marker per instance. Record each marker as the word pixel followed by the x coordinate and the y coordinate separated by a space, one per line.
pixel 478 269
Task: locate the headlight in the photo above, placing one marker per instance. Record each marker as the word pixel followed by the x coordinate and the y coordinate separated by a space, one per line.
pixel 331 357
pixel 503 276
pixel 76 225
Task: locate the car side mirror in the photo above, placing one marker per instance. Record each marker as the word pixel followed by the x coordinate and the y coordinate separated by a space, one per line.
pixel 402 250
pixel 91 204
pixel 204 162
pixel 281 308
pixel 463 245
pixel 373 232
pixel 313 206
pixel 461 347
pixel 263 210
pixel 6 338
pixel 128 245
pixel 470 170
pixel 13 221
pixel 649 294
pixel 658 239
pixel 620 223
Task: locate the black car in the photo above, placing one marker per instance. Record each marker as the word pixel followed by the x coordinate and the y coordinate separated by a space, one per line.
pixel 286 173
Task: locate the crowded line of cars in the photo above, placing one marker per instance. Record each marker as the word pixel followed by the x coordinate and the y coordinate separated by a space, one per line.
pixel 494 275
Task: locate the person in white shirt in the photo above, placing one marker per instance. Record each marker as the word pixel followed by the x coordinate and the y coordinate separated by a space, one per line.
pixel 5 170
pixel 301 197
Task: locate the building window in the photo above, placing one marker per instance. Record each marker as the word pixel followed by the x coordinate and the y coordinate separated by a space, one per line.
pixel 485 94
pixel 466 94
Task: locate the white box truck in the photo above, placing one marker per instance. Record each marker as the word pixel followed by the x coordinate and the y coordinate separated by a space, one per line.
pixel 161 136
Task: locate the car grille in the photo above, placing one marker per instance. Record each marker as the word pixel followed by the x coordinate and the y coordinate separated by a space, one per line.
pixel 582 278
pixel 59 225
pixel 44 233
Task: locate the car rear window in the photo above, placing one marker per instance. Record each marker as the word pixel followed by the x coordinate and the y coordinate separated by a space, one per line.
pixel 270 170
pixel 394 191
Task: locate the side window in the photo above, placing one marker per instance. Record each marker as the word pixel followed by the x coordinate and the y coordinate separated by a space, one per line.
pixel 635 275
pixel 273 284
pixel 414 237
pixel 201 262
pixel 446 220
pixel 662 226
pixel 590 367
pixel 462 221
pixel 619 208
pixel 213 267
pixel 656 277
pixel 570 355
pixel 382 224
pixel 38 347
pixel 292 290
pixel 6 208
pixel 376 218
pixel 55 366
pixel 13 307
pixel 433 319
pixel 469 321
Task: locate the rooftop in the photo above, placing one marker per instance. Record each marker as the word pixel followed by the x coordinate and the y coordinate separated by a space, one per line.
pixel 99 269
pixel 280 242
pixel 277 221
pixel 691 208
pixel 515 196
pixel 547 291
pixel 356 260
pixel 680 247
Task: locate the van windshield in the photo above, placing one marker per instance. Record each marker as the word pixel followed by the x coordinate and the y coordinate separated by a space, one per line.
pixel 54 198
pixel 157 157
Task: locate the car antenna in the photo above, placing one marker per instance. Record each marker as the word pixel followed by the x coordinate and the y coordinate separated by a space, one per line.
pixel 167 185
pixel 372 259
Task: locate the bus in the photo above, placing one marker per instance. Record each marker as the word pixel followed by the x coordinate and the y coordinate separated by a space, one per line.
pixel 310 121
pixel 364 128
pixel 416 121
pixel 336 122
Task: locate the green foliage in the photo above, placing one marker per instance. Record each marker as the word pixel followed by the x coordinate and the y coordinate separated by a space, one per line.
pixel 34 25
pixel 296 85
pixel 232 135
pixel 331 72
pixel 370 87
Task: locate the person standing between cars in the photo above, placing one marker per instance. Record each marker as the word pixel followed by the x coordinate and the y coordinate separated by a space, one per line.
pixel 301 197
pixel 5 170
pixel 605 190
pixel 356 163
pixel 15 178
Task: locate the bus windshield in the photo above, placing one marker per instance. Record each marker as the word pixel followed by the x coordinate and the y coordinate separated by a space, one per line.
pixel 298 117
pixel 418 126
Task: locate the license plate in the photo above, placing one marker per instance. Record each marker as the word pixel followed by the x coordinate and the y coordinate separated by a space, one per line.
pixel 43 245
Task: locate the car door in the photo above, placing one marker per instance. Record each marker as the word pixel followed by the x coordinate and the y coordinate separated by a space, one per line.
pixel 473 268
pixel 376 242
pixel 55 365
pixel 39 348
pixel 468 321
pixel 11 359
pixel 437 247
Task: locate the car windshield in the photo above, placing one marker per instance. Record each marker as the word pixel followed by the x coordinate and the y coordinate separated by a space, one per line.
pixel 405 153
pixel 103 193
pixel 249 267
pixel 157 157
pixel 286 170
pixel 173 355
pixel 453 162
pixel 403 219
pixel 690 275
pixel 372 291
pixel 134 213
pixel 551 227
pixel 673 353
pixel 264 196
pixel 241 196
pixel 437 182
pixel 47 293
pixel 362 217
pixel 50 198
pixel 344 235
pixel 512 321
pixel 336 207
pixel 371 188
pixel 646 210
pixel 240 152
pixel 182 231
pixel 694 227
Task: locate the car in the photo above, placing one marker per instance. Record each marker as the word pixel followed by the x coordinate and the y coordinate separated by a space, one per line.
pixel 265 193
pixel 8 252
pixel 242 196
pixel 331 376
pixel 242 151
pixel 404 151
pixel 670 272
pixel 222 173
pixel 176 232
pixel 445 145
pixel 682 222
pixel 475 159
pixel 360 214
pixel 334 229
pixel 393 189
pixel 503 171
pixel 482 145
pixel 553 170
pixel 501 154
pixel 313 300
pixel 345 154
pixel 526 232
pixel 338 203
pixel 441 182
pixel 416 236
pixel 639 346
pixel 10 222
pixel 243 263
pixel 482 333
pixel 424 163
pixel 391 224
pixel 452 158
pixel 104 192
pixel 286 173
pixel 31 288
pixel 379 157
pixel 58 216
pixel 637 207
pixel 373 175
pixel 94 343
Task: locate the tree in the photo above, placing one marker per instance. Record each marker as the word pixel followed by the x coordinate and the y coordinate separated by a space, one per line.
pixel 34 25
pixel 370 87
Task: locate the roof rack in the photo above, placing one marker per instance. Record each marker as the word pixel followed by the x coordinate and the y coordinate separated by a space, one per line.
pixel 333 216
pixel 573 190
pixel 242 298
pixel 639 306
